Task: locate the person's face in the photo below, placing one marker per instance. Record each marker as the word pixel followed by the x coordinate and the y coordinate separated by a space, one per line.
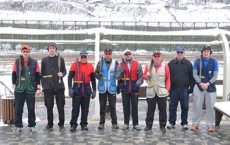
pixel 84 58
pixel 180 55
pixel 108 55
pixel 52 50
pixel 157 58
pixel 128 56
pixel 25 53
pixel 206 53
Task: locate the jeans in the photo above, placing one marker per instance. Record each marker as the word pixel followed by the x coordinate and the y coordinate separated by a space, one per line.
pixel 112 105
pixel 19 101
pixel 182 96
pixel 126 108
pixel 76 103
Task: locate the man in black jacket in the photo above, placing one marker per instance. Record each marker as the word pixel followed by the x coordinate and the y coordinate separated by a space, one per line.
pixel 182 84
pixel 52 72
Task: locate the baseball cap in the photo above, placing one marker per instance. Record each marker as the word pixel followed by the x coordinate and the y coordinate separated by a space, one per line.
pixel 25 46
pixel 127 51
pixel 156 52
pixel 108 50
pixel 83 52
pixel 180 48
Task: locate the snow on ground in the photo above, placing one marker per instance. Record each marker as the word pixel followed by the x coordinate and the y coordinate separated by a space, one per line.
pixel 115 10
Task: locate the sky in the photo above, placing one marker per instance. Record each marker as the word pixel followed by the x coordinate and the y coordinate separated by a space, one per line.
pixel 116 10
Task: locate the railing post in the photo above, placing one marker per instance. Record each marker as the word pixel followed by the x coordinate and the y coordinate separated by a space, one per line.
pixel 226 76
pixel 96 116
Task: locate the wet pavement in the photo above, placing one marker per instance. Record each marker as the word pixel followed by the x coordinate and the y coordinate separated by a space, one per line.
pixel 110 136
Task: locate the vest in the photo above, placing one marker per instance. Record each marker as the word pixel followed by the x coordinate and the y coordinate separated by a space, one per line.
pixel 50 77
pixel 206 74
pixel 128 82
pixel 81 86
pixel 108 81
pixel 156 83
pixel 28 80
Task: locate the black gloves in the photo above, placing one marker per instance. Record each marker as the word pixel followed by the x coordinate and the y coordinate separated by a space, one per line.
pixel 98 76
pixel 118 89
pixel 122 71
pixel 93 94
pixel 71 92
pixel 190 91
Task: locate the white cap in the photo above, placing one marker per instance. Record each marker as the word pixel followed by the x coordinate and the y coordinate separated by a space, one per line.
pixel 127 50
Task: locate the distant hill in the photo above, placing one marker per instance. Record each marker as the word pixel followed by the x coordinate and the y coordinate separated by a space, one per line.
pixel 117 10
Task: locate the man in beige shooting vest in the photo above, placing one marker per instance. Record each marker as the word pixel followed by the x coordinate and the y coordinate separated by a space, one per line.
pixel 157 76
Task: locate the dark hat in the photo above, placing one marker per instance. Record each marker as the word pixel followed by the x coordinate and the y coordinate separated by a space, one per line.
pixel 108 50
pixel 52 44
pixel 206 47
pixel 180 48
pixel 25 46
pixel 156 52
pixel 83 52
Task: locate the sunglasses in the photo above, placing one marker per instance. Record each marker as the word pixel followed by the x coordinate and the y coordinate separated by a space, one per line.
pixel 108 53
pixel 83 57
pixel 127 54
pixel 157 56
pixel 180 52
pixel 25 51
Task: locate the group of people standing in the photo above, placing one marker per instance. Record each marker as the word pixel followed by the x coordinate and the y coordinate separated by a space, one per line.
pixel 176 79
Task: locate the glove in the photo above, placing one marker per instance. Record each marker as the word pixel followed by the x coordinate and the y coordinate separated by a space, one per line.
pixel 190 91
pixel 98 76
pixel 118 89
pixel 122 71
pixel 71 92
pixel 93 94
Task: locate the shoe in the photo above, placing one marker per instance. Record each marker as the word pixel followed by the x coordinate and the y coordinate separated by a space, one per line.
pixel 84 128
pixel 47 128
pixel 125 127
pixel 73 129
pixel 101 126
pixel 193 128
pixel 210 129
pixel 33 129
pixel 115 126
pixel 163 129
pixel 185 126
pixel 17 129
pixel 170 126
pixel 61 128
pixel 136 127
pixel 148 128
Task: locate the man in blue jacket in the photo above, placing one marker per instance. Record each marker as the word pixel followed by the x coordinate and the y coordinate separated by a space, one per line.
pixel 205 72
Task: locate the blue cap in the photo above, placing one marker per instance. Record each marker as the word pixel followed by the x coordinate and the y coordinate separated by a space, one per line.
pixel 83 52
pixel 180 48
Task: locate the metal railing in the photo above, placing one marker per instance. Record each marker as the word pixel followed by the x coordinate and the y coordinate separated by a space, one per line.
pixel 7 90
pixel 118 25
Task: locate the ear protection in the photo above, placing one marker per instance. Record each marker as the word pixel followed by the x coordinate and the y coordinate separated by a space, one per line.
pixel 206 47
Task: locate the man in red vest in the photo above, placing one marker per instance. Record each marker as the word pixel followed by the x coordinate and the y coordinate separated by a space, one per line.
pixel 129 72
pixel 82 73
